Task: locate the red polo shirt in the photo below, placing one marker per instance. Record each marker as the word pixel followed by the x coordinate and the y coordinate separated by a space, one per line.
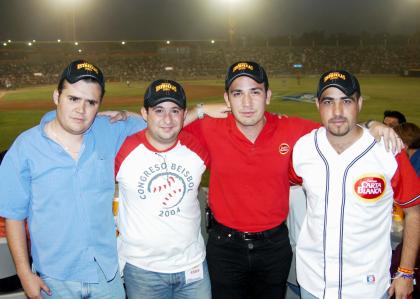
pixel 249 184
pixel 2 227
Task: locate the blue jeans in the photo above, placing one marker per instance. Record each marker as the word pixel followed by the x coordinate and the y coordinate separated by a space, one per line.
pixel 104 289
pixel 144 284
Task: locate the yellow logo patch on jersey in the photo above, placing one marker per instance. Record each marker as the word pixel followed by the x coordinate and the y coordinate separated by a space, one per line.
pixel 284 148
pixel 370 187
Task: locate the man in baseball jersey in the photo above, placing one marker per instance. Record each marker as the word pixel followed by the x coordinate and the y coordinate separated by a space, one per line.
pixel 162 251
pixel 59 176
pixel 344 248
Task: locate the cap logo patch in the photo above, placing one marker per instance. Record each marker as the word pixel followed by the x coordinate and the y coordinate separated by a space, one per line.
pixel 166 87
pixel 284 148
pixel 334 76
pixel 370 187
pixel 242 66
pixel 87 66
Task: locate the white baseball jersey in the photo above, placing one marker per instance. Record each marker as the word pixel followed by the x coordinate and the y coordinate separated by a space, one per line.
pixel 343 250
pixel 297 213
pixel 159 213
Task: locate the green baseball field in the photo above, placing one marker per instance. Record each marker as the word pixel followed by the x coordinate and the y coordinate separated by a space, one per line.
pixel 22 108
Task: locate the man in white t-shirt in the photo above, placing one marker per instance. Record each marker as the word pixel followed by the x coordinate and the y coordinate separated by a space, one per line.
pixel 161 249
pixel 351 181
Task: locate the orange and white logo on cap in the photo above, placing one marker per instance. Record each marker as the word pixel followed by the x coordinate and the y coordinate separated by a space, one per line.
pixel 284 148
pixel 242 66
pixel 165 87
pixel 334 76
pixel 88 67
pixel 370 187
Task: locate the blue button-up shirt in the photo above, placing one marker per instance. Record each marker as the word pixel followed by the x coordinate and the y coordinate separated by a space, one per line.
pixel 68 203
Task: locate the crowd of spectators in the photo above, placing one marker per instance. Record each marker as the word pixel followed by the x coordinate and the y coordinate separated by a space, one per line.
pixel 24 66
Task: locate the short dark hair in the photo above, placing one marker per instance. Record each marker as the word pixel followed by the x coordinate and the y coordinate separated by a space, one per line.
pixel 357 95
pixel 395 114
pixel 60 86
pixel 410 134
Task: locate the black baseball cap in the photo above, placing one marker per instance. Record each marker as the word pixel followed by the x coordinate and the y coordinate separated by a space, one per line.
pixel 246 68
pixel 340 79
pixel 80 69
pixel 163 90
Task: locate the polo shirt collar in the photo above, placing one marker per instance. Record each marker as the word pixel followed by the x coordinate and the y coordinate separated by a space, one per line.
pixel 268 129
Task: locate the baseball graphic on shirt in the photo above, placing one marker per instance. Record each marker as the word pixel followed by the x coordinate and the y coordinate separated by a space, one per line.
pixel 169 188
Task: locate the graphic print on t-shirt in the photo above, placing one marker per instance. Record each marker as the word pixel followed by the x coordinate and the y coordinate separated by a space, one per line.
pixel 167 185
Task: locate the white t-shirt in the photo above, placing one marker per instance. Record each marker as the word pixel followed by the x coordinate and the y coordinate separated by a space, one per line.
pixel 159 213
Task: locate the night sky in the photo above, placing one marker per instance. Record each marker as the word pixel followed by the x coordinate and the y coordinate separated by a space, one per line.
pixel 200 19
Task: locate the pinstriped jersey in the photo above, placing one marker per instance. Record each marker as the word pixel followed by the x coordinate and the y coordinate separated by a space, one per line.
pixel 159 213
pixel 344 250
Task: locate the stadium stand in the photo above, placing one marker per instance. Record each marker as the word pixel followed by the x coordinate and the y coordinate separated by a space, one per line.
pixel 23 65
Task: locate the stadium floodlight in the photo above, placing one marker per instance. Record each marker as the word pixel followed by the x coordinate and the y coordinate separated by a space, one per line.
pixel 5 44
pixel 76 43
pixel 67 3
pixel 123 43
pixel 70 8
pixel 168 42
pixel 58 40
pixel 80 50
pixel 212 41
pixel 9 41
pixel 29 44
pixel 235 3
pixel 34 41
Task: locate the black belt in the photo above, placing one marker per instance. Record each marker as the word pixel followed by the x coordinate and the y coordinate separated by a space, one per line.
pixel 248 236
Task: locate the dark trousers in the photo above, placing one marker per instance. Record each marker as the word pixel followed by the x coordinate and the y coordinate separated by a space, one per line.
pixel 248 267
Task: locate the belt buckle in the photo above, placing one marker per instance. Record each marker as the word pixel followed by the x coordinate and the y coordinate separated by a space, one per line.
pixel 246 236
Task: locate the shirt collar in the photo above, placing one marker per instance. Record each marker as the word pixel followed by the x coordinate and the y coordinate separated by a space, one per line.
pixel 51 115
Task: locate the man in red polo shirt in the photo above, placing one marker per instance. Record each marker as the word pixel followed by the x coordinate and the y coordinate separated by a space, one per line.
pixel 248 250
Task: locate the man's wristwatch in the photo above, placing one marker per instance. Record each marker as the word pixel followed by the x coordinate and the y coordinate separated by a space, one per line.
pixel 367 124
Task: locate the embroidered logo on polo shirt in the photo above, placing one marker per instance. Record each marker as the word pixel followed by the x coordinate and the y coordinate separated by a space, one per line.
pixel 284 148
pixel 370 187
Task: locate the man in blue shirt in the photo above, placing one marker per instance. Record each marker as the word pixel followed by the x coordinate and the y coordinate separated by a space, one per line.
pixel 60 176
